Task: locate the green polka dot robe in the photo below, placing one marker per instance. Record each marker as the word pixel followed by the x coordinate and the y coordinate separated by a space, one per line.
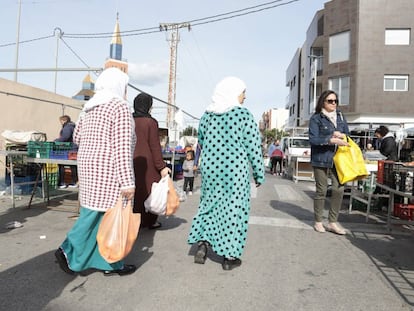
pixel 230 146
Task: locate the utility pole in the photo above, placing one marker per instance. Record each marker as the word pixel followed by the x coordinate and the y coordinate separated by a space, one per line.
pixel 173 39
pixel 58 33
pixel 18 39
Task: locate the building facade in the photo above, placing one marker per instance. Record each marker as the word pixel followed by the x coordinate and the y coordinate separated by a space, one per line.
pixel 364 51
pixel 275 118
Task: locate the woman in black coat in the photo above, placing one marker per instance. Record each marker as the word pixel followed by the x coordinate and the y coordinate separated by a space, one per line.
pixel 388 147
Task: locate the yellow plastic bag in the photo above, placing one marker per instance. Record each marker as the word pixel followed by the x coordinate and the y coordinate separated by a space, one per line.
pixel 118 231
pixel 349 162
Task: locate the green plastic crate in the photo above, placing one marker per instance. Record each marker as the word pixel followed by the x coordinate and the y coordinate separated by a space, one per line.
pixel 39 149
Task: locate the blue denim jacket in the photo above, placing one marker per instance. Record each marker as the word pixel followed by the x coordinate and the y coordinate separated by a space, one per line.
pixel 320 131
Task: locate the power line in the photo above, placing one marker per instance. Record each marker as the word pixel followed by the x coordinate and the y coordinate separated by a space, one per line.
pixel 26 41
pixel 109 34
pixel 39 99
pixel 150 30
pixel 132 86
pixel 245 9
pixel 164 102
pixel 209 19
pixel 242 14
pixel 195 22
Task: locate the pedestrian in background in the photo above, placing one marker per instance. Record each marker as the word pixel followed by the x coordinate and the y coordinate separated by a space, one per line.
pixel 188 172
pixel 230 142
pixel 270 150
pixel 105 137
pixel 388 146
pixel 276 158
pixel 149 165
pixel 66 135
pixel 327 129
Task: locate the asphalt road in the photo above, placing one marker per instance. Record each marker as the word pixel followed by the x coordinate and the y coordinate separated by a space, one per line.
pixel 286 264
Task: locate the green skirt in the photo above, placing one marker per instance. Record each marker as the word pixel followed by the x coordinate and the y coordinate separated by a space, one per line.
pixel 80 246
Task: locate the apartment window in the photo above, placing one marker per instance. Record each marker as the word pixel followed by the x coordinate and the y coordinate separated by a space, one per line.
pixel 397 36
pixel 339 47
pixel 396 83
pixel 341 86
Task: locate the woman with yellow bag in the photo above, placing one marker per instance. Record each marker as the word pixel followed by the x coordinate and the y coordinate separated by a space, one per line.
pixel 327 129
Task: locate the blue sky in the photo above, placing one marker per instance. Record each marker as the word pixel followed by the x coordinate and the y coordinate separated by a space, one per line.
pixel 257 47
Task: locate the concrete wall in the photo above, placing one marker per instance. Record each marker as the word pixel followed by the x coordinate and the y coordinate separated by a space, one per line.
pixel 21 111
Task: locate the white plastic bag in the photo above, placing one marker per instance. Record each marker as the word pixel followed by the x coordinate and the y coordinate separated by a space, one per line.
pixel 156 203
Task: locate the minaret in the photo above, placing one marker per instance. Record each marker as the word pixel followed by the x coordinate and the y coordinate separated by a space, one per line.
pixel 115 50
pixel 88 89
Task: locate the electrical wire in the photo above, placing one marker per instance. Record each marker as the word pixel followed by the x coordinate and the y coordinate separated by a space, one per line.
pixel 132 86
pixel 164 102
pixel 151 30
pixel 26 41
pixel 245 9
pixel 242 14
pixel 77 56
pixel 209 19
pixel 39 99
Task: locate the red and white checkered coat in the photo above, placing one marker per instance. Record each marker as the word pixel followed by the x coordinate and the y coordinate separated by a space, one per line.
pixel 106 139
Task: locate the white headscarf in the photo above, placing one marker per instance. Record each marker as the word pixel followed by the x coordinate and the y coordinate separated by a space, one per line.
pixel 110 84
pixel 226 95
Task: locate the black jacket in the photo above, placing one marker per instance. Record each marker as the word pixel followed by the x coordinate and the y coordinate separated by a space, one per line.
pixel 389 148
pixel 66 133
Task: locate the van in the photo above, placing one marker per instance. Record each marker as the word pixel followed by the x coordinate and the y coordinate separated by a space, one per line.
pixel 295 146
pixel 296 161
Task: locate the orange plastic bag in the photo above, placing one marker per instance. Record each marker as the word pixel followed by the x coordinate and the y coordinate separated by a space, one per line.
pixel 173 201
pixel 118 231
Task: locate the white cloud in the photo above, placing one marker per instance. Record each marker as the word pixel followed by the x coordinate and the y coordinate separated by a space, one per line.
pixel 148 74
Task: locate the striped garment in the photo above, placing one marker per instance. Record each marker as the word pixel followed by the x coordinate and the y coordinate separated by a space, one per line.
pixel 106 139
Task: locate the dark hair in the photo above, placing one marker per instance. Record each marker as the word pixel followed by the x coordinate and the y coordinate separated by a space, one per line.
pixel 322 98
pixel 192 153
pixel 382 130
pixel 65 118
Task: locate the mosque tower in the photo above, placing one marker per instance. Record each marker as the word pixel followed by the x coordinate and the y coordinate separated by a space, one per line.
pixel 114 60
pixel 88 89
pixel 115 51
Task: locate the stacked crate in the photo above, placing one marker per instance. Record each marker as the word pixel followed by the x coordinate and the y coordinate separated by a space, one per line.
pixel 52 175
pixel 24 174
pixel 52 150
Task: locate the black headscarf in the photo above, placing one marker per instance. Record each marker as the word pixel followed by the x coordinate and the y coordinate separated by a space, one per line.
pixel 142 105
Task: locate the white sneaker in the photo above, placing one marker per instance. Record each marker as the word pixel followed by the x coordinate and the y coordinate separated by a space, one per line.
pixel 190 193
pixel 73 186
pixel 63 186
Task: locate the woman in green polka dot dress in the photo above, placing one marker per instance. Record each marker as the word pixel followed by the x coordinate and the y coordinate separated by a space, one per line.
pixel 230 143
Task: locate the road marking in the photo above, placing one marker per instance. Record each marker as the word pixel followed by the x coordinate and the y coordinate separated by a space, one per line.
pixel 288 193
pixel 280 222
pixel 350 227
